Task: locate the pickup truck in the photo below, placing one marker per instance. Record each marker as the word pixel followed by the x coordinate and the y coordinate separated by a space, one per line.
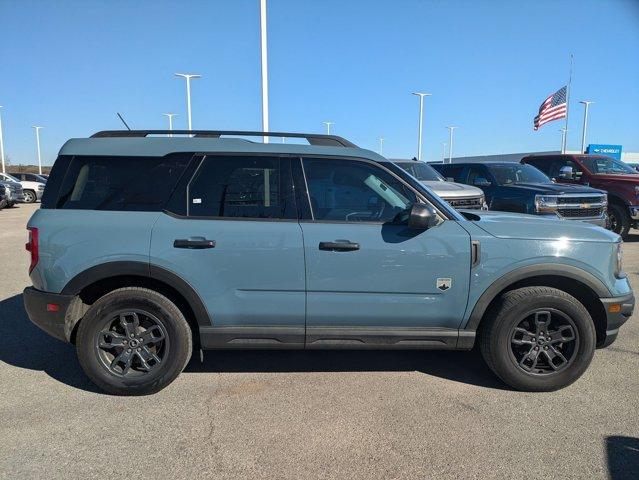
pixel 513 187
pixel 621 181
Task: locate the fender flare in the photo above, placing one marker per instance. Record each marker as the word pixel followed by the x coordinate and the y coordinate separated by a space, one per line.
pixel 140 269
pixel 544 269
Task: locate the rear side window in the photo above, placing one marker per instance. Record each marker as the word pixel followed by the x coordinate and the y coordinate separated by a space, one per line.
pixel 120 183
pixel 242 187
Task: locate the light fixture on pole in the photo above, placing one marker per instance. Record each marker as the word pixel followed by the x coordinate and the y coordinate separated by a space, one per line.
pixel 1 144
pixel 421 118
pixel 264 52
pixel 328 127
pixel 586 104
pixel 37 131
pixel 381 146
pixel 170 116
pixel 450 143
pixel 188 77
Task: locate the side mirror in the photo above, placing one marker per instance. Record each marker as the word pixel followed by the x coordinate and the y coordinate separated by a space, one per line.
pixel 565 172
pixel 481 182
pixel 422 217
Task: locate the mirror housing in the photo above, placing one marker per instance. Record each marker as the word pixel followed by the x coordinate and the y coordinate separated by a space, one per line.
pixel 566 172
pixel 481 182
pixel 422 217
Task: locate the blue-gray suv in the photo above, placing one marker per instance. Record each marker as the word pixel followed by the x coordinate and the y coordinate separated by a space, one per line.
pixel 148 246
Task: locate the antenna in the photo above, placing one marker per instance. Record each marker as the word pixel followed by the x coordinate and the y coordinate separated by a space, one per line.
pixel 127 127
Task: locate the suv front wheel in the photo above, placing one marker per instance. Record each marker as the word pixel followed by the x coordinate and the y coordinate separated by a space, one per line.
pixel 538 339
pixel 133 341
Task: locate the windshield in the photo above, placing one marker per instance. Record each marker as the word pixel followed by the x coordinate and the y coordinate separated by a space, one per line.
pixel 422 171
pixel 517 173
pixel 607 165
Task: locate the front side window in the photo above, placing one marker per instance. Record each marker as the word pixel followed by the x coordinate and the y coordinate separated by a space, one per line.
pixel 352 191
pixel 242 187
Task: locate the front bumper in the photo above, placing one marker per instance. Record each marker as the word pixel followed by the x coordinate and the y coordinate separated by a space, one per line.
pixel 40 308
pixel 618 311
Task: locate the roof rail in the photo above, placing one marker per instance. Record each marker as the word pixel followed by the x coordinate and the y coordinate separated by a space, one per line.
pixel 312 138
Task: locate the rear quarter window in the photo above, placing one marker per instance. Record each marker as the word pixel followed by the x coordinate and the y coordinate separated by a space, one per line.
pixel 118 183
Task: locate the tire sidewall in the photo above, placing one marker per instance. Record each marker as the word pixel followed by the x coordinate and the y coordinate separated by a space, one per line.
pixel 173 363
pixel 32 196
pixel 501 342
pixel 622 218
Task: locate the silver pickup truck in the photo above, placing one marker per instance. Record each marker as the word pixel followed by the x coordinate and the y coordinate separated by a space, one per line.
pixel 457 195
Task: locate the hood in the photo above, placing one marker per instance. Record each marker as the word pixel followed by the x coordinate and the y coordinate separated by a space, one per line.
pixel 555 188
pixel 448 190
pixel 534 227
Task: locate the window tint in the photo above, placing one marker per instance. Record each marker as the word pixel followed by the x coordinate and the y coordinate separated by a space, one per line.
pixel 242 187
pixel 120 183
pixel 351 191
pixel 476 172
pixel 452 171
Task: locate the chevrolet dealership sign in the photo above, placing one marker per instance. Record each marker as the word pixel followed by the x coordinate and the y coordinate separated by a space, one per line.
pixel 613 151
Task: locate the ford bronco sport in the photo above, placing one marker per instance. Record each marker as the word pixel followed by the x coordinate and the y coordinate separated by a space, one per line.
pixel 147 247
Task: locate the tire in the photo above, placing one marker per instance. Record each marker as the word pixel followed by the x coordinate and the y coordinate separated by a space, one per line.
pixel 29 196
pixel 618 220
pixel 519 310
pixel 162 348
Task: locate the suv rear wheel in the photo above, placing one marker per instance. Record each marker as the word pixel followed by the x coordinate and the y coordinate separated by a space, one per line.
pixel 133 341
pixel 538 339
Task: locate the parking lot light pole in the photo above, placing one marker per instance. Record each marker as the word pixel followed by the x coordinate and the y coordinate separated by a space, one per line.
pixel 421 118
pixel 188 77
pixel 444 152
pixel 563 131
pixel 264 55
pixel 1 144
pixel 450 143
pixel 170 115
pixel 328 127
pixel 381 146
pixel 586 104
pixel 37 131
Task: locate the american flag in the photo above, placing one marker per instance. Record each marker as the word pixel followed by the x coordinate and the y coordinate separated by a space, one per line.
pixel 553 108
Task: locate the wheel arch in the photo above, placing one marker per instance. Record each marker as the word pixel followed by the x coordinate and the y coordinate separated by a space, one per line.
pixel 96 281
pixel 580 284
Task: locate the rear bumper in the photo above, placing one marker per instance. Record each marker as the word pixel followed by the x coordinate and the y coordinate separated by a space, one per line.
pixel 39 304
pixel 622 308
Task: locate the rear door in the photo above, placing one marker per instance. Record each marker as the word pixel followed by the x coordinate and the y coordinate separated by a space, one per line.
pixel 238 243
pixel 370 279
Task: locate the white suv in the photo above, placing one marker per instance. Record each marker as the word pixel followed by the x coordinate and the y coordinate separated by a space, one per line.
pixel 32 190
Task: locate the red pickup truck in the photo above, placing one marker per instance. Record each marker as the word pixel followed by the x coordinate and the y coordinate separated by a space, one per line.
pixel 615 177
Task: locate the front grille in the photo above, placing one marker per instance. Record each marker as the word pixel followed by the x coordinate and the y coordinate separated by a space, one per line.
pixel 474 203
pixel 564 199
pixel 580 212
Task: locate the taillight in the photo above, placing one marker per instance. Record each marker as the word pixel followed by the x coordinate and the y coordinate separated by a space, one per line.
pixel 32 247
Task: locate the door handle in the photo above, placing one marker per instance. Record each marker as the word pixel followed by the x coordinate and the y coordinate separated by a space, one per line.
pixel 194 243
pixel 340 246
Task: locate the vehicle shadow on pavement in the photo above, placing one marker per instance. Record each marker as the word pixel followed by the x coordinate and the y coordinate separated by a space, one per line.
pixel 464 367
pixel 24 345
pixel 623 457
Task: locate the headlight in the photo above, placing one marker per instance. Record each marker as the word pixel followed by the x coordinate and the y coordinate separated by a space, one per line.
pixel 545 204
pixel 619 273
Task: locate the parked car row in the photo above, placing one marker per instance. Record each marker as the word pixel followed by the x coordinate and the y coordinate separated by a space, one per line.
pixel 593 188
pixel 20 187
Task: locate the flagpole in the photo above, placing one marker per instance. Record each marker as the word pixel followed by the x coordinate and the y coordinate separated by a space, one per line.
pixel 565 141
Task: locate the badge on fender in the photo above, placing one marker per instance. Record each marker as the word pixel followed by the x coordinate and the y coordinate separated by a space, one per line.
pixel 444 284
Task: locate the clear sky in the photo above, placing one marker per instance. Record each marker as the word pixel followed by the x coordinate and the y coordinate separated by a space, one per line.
pixel 69 66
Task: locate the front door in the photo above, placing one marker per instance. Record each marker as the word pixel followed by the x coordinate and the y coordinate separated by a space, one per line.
pixel 371 280
pixel 240 247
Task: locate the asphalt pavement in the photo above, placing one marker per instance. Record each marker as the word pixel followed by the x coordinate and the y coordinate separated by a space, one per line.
pixel 318 414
